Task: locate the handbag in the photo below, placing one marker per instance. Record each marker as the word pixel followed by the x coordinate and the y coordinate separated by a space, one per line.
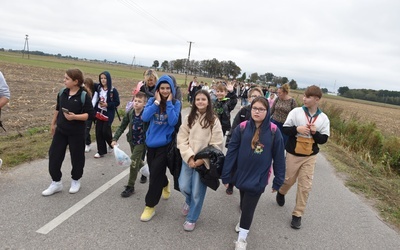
pixel 304 145
pixel 100 116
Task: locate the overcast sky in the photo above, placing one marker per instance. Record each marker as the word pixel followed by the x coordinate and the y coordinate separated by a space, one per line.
pixel 354 43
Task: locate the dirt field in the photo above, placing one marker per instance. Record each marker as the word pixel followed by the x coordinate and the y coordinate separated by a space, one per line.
pixel 34 91
pixel 34 94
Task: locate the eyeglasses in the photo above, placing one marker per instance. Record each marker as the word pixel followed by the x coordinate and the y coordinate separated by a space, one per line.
pixel 259 110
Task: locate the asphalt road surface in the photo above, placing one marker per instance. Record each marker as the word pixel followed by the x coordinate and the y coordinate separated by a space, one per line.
pixel 97 217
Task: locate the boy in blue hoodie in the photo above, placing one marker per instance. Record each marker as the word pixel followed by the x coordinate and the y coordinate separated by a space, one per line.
pixel 162 112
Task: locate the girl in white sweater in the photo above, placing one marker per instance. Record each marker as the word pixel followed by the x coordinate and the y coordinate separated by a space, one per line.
pixel 201 128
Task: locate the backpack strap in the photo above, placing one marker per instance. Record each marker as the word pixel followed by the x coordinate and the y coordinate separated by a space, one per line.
pixel 83 95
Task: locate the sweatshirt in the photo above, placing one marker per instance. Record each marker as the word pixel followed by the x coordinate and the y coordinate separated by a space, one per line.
pixel 252 165
pixel 162 124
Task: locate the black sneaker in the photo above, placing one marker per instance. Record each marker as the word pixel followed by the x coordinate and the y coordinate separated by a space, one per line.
pixel 280 199
pixel 143 179
pixel 229 190
pixel 296 222
pixel 128 191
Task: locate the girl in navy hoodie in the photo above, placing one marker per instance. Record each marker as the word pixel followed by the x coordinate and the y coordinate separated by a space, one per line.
pixel 162 112
pixel 250 153
pixel 105 101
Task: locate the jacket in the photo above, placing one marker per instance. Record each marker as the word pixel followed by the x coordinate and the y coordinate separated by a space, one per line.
pixel 161 125
pixel 127 122
pixel 112 98
pixel 299 117
pixel 73 104
pixel 223 109
pixel 252 166
pixel 244 114
pixel 210 176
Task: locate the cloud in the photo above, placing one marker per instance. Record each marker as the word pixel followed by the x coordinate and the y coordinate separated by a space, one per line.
pixel 353 43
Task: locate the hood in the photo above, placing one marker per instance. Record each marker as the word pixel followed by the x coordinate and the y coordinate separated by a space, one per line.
pixel 267 120
pixel 167 79
pixel 108 76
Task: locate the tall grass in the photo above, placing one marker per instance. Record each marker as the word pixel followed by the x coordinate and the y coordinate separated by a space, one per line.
pixel 364 139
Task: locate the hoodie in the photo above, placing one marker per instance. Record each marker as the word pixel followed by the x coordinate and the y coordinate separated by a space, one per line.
pixel 162 124
pixel 252 165
pixel 112 97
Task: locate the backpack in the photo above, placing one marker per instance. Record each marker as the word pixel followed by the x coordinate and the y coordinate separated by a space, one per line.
pixel 83 95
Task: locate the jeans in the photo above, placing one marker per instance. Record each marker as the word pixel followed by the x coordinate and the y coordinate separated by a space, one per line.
pixel 193 190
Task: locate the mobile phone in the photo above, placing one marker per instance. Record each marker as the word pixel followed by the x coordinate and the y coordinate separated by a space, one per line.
pixel 65 110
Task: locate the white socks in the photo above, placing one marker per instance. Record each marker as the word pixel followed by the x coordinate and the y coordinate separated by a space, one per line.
pixel 243 234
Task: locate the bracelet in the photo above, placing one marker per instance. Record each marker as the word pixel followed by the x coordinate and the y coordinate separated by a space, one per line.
pixel 156 102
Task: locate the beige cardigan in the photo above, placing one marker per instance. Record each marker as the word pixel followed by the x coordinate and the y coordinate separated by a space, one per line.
pixel 191 141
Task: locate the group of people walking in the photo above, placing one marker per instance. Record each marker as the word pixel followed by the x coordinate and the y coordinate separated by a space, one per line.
pixel 262 139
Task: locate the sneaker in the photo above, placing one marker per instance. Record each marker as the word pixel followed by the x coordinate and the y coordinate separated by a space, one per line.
pixel 188 226
pixel 97 155
pixel 148 213
pixel 143 179
pixel 87 148
pixel 55 186
pixel 229 191
pixel 75 186
pixel 166 192
pixel 128 191
pixel 237 227
pixel 280 199
pixel 109 149
pixel 241 244
pixel 296 222
pixel 185 209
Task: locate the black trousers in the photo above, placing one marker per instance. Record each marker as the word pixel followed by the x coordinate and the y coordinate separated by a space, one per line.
pixel 88 124
pixel 157 161
pixel 103 136
pixel 248 204
pixel 57 151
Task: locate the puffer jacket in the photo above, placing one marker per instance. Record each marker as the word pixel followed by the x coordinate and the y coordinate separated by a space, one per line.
pixel 210 177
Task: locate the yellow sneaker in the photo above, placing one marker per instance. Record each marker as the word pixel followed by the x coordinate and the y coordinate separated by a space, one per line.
pixel 166 192
pixel 148 213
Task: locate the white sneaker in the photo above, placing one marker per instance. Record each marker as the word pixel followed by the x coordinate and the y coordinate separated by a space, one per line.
pixel 109 149
pixel 1 162
pixel 87 148
pixel 75 186
pixel 241 244
pixel 97 155
pixel 55 186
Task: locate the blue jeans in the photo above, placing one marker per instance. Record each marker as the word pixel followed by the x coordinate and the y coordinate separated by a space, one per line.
pixel 193 190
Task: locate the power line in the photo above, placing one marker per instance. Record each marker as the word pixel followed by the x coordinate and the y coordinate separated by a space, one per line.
pixel 139 10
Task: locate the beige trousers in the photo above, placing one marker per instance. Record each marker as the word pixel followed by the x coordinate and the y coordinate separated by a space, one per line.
pixel 300 169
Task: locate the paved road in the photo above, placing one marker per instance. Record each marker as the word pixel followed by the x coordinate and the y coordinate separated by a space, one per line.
pixel 98 218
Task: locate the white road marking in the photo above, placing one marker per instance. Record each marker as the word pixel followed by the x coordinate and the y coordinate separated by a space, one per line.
pixel 82 203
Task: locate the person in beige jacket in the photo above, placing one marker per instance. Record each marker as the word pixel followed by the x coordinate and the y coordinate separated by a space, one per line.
pixel 201 128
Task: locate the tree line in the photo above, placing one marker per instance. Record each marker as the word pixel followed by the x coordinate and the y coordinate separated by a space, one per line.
pixel 383 96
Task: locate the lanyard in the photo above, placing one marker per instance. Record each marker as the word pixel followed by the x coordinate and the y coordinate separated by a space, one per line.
pixel 315 116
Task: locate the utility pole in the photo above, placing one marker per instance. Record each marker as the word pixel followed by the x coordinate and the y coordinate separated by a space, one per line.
pixel 26 46
pixel 187 62
pixel 133 62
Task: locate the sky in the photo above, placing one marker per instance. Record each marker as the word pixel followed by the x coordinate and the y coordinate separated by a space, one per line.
pixel 331 44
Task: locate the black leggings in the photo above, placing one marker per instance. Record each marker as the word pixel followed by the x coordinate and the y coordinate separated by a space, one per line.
pixel 157 161
pixel 248 204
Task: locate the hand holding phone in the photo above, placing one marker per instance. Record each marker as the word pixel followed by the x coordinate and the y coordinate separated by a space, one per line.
pixel 65 110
